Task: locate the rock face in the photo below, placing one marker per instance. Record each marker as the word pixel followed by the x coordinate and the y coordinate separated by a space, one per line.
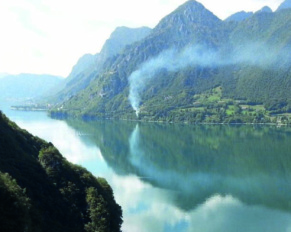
pixel 285 5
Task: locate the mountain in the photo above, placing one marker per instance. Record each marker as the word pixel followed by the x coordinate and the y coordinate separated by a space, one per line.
pixel 285 5
pixel 269 36
pixel 79 78
pixel 195 67
pixel 26 86
pixel 265 9
pixel 239 16
pixel 242 15
pixel 121 37
pixel 83 63
pixel 41 191
pixel 88 66
pixel 190 23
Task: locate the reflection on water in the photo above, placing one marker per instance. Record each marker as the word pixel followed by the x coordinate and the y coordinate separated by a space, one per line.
pixel 181 177
pixel 215 171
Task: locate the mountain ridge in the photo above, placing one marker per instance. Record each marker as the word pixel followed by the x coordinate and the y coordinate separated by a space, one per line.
pixel 227 58
pixel 239 16
pixel 88 66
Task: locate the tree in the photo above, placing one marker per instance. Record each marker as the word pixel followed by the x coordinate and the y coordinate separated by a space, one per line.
pixel 98 212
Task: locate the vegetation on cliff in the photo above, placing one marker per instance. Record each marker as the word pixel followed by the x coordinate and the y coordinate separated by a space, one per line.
pixel 41 191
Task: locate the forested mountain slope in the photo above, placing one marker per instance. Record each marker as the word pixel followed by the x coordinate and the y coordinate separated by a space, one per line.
pixel 195 67
pixel 41 191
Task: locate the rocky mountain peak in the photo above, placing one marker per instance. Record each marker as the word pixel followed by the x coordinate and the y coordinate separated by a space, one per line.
pixel 190 7
pixel 191 12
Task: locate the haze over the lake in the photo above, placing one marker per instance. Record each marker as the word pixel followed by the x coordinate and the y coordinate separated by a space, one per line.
pixel 49 37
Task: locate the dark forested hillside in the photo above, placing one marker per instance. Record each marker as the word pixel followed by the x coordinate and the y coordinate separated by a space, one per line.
pixel 41 191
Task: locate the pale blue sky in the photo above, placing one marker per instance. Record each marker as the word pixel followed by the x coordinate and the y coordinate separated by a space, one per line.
pixel 39 36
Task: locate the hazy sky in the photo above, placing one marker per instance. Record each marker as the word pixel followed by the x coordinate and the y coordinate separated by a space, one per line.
pixel 48 36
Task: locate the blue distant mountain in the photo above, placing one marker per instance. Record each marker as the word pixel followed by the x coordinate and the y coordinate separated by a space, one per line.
pixel 26 86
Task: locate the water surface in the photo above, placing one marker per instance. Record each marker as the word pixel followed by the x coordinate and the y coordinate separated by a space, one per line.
pixel 181 177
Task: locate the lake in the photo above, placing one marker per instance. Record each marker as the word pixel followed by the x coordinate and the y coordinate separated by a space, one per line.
pixel 171 177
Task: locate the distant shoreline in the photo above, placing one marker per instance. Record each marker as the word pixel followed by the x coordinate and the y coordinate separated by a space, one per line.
pixel 64 116
pixel 27 108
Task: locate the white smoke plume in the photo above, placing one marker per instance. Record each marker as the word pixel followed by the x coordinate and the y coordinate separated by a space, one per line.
pixel 173 60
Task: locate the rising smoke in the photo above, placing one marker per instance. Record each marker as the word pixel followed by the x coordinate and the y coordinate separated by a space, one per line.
pixel 173 60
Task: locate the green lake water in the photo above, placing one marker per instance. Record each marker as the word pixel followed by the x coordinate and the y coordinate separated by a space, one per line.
pixel 170 177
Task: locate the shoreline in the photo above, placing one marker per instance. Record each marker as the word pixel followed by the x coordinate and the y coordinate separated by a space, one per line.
pixel 63 116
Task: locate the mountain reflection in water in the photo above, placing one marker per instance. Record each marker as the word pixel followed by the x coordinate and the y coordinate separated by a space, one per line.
pixel 182 177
